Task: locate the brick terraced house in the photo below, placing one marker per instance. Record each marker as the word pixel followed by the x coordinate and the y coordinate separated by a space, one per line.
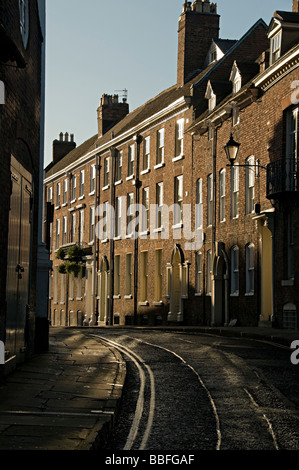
pixel 185 209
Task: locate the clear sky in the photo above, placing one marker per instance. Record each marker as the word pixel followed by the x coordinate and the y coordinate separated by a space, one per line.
pixel 100 46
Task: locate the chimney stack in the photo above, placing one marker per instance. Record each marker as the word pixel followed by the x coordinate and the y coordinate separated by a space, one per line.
pixel 198 26
pixel 296 6
pixel 63 146
pixel 110 112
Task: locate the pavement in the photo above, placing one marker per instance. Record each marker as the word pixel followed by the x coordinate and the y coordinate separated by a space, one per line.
pixel 69 397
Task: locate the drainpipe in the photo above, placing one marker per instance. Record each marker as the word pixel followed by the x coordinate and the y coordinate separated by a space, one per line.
pixel 138 140
pixel 95 246
pixel 112 234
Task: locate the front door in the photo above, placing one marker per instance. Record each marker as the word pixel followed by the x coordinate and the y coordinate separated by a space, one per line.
pixel 18 259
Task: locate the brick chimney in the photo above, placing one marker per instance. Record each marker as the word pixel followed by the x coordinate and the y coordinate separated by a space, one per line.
pixel 198 25
pixel 296 6
pixel 63 146
pixel 110 112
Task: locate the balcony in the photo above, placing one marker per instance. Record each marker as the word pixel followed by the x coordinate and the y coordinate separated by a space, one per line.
pixel 282 179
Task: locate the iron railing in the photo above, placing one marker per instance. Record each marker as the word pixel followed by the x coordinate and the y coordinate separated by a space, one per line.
pixel 282 178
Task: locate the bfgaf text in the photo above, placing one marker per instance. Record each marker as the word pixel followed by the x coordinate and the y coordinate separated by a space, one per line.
pixel 150 459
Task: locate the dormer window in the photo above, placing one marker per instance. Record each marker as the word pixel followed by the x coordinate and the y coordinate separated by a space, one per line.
pixel 235 78
pixel 211 97
pixel 275 46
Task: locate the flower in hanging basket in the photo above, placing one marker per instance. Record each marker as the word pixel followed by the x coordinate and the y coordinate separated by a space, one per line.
pixel 62 268
pixel 60 254
pixel 75 253
pixel 73 268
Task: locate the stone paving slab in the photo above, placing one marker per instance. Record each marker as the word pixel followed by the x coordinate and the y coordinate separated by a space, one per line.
pixel 66 399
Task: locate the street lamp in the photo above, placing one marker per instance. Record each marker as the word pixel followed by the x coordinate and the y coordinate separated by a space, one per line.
pixel 231 150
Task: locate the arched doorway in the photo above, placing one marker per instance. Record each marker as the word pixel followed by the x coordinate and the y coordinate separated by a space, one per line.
pixel 177 284
pixel 103 291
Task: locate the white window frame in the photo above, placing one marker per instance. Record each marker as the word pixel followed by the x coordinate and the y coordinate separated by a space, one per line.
pixel 198 273
pixel 106 172
pixel 234 270
pixel 146 153
pixel 64 230
pixel 92 179
pixel 178 199
pixel 73 227
pixel 222 194
pixel 209 272
pixel 118 216
pixel 145 210
pixel 129 258
pixel 116 276
pixel 235 173
pixel 74 187
pixel 131 160
pixel 82 181
pixel 57 234
pixel 249 255
pixel 160 147
pixel 144 277
pixel 58 186
pixel 250 172
pixel 199 205
pixel 119 164
pixel 91 223
pixel 210 199
pixel 130 212
pixel 275 47
pixel 65 186
pixel 81 226
pixel 158 274
pixel 159 204
pixel 179 138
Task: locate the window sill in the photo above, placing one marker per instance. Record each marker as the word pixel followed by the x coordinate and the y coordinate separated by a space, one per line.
pixel 81 197
pixel 106 240
pixel 177 226
pixel 117 296
pixel 145 233
pixel 128 297
pixel 105 187
pixel 91 243
pixel 118 182
pixel 57 207
pixel 79 298
pixel 130 235
pixel 176 159
pixel 92 193
pixel 159 165
pixel 73 201
pixel 144 172
pixel 157 304
pixel 71 298
pixel 130 178
pixel 235 294
pixel 249 294
pixel 64 204
pixel 143 304
pixel 119 237
pixel 159 229
pixel 198 294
